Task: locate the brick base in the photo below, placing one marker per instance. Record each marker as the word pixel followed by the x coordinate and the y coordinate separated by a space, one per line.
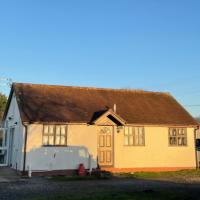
pixel 147 169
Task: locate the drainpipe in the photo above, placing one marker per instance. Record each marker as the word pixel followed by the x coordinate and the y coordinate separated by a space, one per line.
pixel 25 145
pixel 196 151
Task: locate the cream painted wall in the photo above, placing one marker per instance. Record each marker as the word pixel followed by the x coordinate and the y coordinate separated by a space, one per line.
pixel 156 152
pixel 82 141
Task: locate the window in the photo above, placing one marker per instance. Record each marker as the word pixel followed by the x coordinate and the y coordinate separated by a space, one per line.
pixel 134 136
pixel 177 136
pixel 54 135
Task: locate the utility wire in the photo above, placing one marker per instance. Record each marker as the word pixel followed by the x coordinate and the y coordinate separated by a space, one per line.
pixel 192 105
pixel 5 81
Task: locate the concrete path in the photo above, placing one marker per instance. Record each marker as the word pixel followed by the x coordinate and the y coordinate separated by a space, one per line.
pixel 8 175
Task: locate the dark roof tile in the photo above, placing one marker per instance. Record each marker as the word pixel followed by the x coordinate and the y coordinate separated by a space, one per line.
pixel 46 103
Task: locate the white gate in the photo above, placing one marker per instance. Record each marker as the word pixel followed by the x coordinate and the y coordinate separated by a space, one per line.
pixel 3 147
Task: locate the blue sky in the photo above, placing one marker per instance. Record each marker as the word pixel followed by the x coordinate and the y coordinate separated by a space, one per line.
pixel 143 44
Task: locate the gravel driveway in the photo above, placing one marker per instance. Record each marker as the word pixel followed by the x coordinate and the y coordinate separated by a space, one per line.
pixel 37 186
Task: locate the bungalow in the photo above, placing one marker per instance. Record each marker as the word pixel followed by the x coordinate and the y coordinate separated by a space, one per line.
pixel 52 129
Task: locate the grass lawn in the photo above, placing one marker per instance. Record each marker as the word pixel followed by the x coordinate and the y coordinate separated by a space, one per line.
pixel 140 194
pixel 173 175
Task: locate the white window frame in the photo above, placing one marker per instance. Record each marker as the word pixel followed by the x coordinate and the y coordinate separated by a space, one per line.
pixel 133 134
pixel 54 134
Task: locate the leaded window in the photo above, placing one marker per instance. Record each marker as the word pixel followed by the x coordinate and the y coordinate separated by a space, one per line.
pixel 54 135
pixel 134 136
pixel 177 136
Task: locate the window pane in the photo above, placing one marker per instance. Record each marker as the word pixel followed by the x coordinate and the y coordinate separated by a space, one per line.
pixel 125 140
pixel 63 128
pixel 182 141
pixel 136 130
pixel 136 138
pixel 126 130
pixel 173 140
pixel 179 141
pixel 180 131
pixel 140 130
pixel 130 130
pixel 45 140
pixel 51 140
pixel 174 132
pixel 171 132
pixel 46 129
pixel 51 129
pixel 57 140
pixel 57 130
pixel 131 140
pixel 141 138
pixel 63 140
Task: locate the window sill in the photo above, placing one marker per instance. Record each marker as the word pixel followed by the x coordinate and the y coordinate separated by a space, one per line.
pixel 54 145
pixel 134 145
pixel 177 145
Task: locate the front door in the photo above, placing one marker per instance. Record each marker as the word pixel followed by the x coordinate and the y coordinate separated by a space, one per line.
pixel 3 147
pixel 105 146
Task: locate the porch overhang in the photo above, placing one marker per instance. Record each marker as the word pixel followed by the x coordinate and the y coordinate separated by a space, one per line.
pixel 109 115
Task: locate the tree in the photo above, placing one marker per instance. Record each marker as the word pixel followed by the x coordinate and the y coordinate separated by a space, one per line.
pixel 3 101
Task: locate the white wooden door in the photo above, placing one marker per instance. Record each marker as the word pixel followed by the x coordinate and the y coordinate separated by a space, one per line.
pixel 105 146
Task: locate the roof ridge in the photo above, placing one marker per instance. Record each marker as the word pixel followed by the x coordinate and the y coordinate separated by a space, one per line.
pixel 97 88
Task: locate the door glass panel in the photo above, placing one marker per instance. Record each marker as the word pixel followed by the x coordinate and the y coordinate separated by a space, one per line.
pixel 3 156
pixel 5 137
pixel 1 138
